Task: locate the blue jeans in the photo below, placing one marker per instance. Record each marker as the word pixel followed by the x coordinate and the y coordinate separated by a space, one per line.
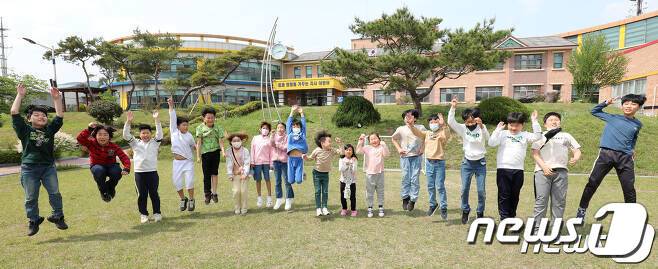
pixel 101 172
pixel 295 170
pixel 436 176
pixel 479 169
pixel 262 171
pixel 410 173
pixel 32 176
pixel 281 171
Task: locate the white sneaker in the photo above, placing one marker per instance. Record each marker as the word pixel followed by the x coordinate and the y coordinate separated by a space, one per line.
pixel 269 202
pixel 370 212
pixel 143 219
pixel 278 203
pixel 318 212
pixel 259 202
pixel 325 211
pixel 237 211
pixel 289 203
pixel 243 211
pixel 157 217
pixel 381 212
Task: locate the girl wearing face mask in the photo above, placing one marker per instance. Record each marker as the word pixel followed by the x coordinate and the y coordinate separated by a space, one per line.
pixel 261 161
pixel 238 168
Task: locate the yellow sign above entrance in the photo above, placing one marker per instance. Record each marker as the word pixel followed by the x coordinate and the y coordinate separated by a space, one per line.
pixel 307 84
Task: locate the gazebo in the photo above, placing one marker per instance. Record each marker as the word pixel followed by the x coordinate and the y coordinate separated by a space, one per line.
pixel 81 87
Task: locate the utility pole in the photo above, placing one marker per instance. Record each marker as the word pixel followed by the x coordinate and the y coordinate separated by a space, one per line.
pixel 638 10
pixel 3 57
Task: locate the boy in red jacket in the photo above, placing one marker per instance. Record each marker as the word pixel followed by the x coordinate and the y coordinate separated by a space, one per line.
pixel 103 158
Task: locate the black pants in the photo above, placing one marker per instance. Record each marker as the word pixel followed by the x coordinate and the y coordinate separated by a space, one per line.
pixel 625 167
pixel 147 185
pixel 107 177
pixel 210 167
pixel 343 201
pixel 509 183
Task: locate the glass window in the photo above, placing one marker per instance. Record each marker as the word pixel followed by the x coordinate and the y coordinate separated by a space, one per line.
pixel 557 87
pixel 319 71
pixel 353 93
pixel 384 98
pixel 447 94
pixel 297 70
pixel 557 60
pixel 427 98
pixel 309 71
pixel 527 91
pixel 482 93
pixel 527 61
pixel 636 86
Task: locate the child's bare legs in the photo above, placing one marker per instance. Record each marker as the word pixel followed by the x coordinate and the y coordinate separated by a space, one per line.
pixel 258 190
pixel 181 194
pixel 213 184
pixel 268 184
pixel 190 192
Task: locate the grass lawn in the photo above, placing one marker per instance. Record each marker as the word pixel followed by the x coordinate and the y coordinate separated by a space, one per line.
pixel 105 235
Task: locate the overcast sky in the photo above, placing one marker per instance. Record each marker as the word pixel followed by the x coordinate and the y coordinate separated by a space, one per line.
pixel 305 25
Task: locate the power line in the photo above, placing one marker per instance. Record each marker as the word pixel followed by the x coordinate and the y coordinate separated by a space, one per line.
pixel 3 57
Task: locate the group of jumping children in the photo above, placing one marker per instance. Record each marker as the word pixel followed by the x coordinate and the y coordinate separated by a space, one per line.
pixel 285 149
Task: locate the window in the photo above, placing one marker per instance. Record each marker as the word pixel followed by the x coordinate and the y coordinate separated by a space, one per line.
pixel 528 91
pixel 297 70
pixel 447 94
pixel 384 98
pixel 309 71
pixel 557 60
pixel 482 93
pixel 557 87
pixel 636 86
pixel 353 93
pixel 319 71
pixel 527 61
pixel 426 99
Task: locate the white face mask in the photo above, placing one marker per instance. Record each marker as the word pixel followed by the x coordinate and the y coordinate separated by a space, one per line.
pixel 296 130
pixel 236 144
pixel 264 131
pixel 434 127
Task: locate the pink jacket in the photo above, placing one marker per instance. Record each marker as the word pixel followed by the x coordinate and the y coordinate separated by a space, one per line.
pixel 280 148
pixel 261 150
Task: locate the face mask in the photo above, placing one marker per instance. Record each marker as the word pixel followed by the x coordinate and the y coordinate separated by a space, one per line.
pixel 471 127
pixel 236 144
pixel 296 130
pixel 264 131
pixel 434 127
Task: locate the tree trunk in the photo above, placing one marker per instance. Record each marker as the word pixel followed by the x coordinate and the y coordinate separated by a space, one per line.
pixel 190 91
pixel 130 93
pixel 156 76
pixel 91 94
pixel 416 99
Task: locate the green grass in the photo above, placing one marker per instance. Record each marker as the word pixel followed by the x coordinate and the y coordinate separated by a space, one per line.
pixel 109 235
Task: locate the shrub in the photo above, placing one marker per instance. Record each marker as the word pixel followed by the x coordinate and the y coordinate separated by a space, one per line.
pixel 63 143
pixel 355 111
pixel 9 156
pixel 104 111
pixel 83 107
pixel 2 120
pixel 245 109
pixel 495 109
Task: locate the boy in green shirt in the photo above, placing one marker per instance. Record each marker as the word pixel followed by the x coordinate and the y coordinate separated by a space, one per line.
pixel 209 144
pixel 38 161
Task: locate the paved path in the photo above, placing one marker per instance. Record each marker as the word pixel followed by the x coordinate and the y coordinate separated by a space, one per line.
pixel 10 170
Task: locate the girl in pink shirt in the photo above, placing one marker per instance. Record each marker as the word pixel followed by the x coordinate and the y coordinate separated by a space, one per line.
pixel 280 163
pixel 374 159
pixel 261 159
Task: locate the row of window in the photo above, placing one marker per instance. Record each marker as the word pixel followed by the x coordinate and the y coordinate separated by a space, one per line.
pixel 297 71
pixel 534 61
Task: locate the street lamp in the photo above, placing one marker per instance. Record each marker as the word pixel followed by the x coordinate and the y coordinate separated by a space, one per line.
pixel 53 82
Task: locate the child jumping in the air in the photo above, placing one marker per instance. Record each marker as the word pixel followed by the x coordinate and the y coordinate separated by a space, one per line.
pixel 374 153
pixel 617 149
pixel 238 168
pixel 210 146
pixel 347 166
pixel 280 163
pixel 512 146
pixel 261 161
pixel 474 136
pixel 410 149
pixel 182 147
pixel 551 154
pixel 323 156
pixel 435 165
pixel 145 156
pixel 38 159
pixel 297 146
pixel 103 158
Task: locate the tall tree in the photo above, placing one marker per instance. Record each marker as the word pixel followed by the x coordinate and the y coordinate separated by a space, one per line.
pixel 594 65
pixel 153 53
pixel 36 88
pixel 75 50
pixel 415 53
pixel 115 61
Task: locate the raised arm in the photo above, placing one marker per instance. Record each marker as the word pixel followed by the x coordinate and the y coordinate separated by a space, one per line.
pixel 597 111
pixel 159 134
pixel 495 138
pixel 416 132
pixel 536 128
pixel 126 129
pixel 83 137
pixel 359 145
pixel 173 125
pixel 458 128
pixel 20 94
pixel 386 152
pixel 57 102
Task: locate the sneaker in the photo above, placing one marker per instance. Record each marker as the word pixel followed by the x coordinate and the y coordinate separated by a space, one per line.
pixel 33 226
pixel 183 204
pixel 278 203
pixel 369 212
pixel 343 212
pixel 480 215
pixel 259 202
pixel 381 212
pixel 106 197
pixel 243 211
pixel 465 217
pixel 237 211
pixel 444 214
pixel 354 213
pixel 215 198
pixel 405 203
pixel 430 212
pixel 157 217
pixel 581 213
pixel 318 212
pixel 411 205
pixel 289 202
pixel 59 222
pixel 112 192
pixel 191 205
pixel 207 200
pixel 269 202
pixel 325 211
pixel 143 219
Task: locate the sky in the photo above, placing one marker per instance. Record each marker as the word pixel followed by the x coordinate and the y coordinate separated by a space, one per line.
pixel 305 25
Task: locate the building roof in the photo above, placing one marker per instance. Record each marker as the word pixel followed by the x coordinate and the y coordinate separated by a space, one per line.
pixel 512 42
pixel 611 24
pixel 312 56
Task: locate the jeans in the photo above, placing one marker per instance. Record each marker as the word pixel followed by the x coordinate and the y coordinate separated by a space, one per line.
pixel 436 176
pixel 262 171
pixel 410 173
pixel 147 186
pixel 477 168
pixel 103 171
pixel 321 183
pixel 280 172
pixel 32 176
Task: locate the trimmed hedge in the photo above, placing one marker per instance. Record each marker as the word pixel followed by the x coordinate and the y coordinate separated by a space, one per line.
pixel 104 111
pixel 496 109
pixel 355 111
pixel 9 156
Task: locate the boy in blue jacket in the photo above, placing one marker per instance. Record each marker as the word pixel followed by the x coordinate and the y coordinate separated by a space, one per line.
pixel 616 149
pixel 297 146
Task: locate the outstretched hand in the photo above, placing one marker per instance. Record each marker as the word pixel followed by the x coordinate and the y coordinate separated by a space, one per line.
pixel 453 103
pixel 170 102
pixel 534 115
pixel 478 121
pixel 500 125
pixel 611 100
pixel 441 120
pixel 156 113
pixel 129 116
pixel 54 92
pixel 20 89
